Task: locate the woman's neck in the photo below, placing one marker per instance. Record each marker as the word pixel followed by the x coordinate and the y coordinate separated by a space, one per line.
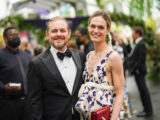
pixel 101 46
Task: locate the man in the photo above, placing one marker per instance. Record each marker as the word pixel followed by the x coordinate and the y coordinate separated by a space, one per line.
pixel 81 35
pixel 137 67
pixel 54 76
pixel 13 69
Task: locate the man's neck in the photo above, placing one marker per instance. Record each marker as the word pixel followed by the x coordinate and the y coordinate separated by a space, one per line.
pixel 138 40
pixel 13 49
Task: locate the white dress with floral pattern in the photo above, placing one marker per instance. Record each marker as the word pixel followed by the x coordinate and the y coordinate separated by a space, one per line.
pixel 96 92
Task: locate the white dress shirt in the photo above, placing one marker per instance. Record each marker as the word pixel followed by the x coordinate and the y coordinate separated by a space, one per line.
pixel 67 68
pixel 136 42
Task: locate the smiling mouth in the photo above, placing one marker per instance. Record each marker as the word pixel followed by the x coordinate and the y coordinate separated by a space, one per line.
pixel 59 38
pixel 95 35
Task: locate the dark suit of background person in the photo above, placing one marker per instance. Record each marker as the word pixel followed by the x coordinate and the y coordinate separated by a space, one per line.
pixel 82 36
pixel 12 99
pixel 49 94
pixel 137 67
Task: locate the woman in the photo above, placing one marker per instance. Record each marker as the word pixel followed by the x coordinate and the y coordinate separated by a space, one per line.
pixel 103 73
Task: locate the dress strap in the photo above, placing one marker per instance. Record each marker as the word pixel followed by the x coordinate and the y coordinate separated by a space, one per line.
pixel 109 53
pixel 89 54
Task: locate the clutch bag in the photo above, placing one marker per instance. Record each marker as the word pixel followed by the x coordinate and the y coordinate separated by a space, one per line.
pixel 101 114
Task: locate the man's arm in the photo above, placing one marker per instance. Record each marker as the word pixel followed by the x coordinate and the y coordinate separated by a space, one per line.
pixel 35 91
pixel 140 55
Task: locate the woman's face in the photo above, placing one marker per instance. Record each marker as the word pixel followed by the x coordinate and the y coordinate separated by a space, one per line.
pixel 98 29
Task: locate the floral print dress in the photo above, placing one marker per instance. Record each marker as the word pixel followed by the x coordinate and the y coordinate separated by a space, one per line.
pixel 96 92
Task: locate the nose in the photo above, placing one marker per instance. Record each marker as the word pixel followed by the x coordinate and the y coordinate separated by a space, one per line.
pixel 96 29
pixel 58 33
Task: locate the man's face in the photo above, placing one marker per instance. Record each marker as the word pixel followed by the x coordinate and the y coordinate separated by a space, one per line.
pixel 134 35
pixel 12 40
pixel 79 36
pixel 11 33
pixel 58 34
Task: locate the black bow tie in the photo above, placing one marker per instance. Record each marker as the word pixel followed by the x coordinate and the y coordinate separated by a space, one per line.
pixel 62 55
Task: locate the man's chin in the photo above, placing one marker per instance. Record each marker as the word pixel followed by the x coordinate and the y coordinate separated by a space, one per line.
pixel 59 46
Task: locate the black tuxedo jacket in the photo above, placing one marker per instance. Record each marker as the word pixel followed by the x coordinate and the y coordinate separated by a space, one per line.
pixel 47 91
pixel 137 60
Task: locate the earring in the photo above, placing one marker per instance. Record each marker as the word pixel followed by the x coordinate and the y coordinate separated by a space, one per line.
pixel 107 38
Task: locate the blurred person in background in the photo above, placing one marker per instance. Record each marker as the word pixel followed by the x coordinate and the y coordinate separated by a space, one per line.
pixel 13 70
pixel 121 48
pixel 71 45
pixel 82 36
pixel 137 67
pixel 25 46
pixel 2 45
pixel 117 44
pixel 103 72
pixel 38 49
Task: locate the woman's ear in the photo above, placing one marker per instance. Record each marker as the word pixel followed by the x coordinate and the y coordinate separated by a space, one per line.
pixel 109 30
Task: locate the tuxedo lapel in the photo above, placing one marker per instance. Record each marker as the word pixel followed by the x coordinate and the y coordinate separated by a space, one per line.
pixel 49 61
pixel 77 60
pixel 135 49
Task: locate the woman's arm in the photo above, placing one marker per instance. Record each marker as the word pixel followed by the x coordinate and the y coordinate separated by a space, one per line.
pixel 116 66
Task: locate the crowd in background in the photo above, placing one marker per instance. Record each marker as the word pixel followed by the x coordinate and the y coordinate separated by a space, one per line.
pixel 123 46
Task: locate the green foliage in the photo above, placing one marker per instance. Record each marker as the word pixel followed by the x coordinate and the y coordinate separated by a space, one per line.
pixel 154 60
pixel 158 5
pixel 149 33
pixel 79 13
pixel 139 8
pixel 101 3
pixel 136 8
pixel 149 6
pixel 154 73
pixel 20 23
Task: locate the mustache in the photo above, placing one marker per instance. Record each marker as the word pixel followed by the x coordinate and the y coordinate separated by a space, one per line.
pixel 59 37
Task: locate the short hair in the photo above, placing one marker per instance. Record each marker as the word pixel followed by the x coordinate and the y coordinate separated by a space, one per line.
pixel 5 32
pixel 38 49
pixel 138 30
pixel 71 44
pixel 55 19
pixel 83 31
pixel 104 15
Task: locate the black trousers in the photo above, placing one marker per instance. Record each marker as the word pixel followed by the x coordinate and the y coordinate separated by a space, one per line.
pixel 12 109
pixel 144 93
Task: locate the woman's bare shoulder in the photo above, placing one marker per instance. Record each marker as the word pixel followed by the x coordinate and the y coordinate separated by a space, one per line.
pixel 114 58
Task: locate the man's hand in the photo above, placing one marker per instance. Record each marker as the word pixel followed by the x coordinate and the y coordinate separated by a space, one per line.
pixel 12 88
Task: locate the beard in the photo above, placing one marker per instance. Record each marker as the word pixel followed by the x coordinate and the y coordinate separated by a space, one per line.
pixel 59 46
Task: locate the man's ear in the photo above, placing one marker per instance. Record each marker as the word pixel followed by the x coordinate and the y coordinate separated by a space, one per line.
pixel 5 40
pixel 69 33
pixel 47 34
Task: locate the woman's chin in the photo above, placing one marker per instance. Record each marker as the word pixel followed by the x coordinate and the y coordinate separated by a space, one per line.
pixel 96 40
